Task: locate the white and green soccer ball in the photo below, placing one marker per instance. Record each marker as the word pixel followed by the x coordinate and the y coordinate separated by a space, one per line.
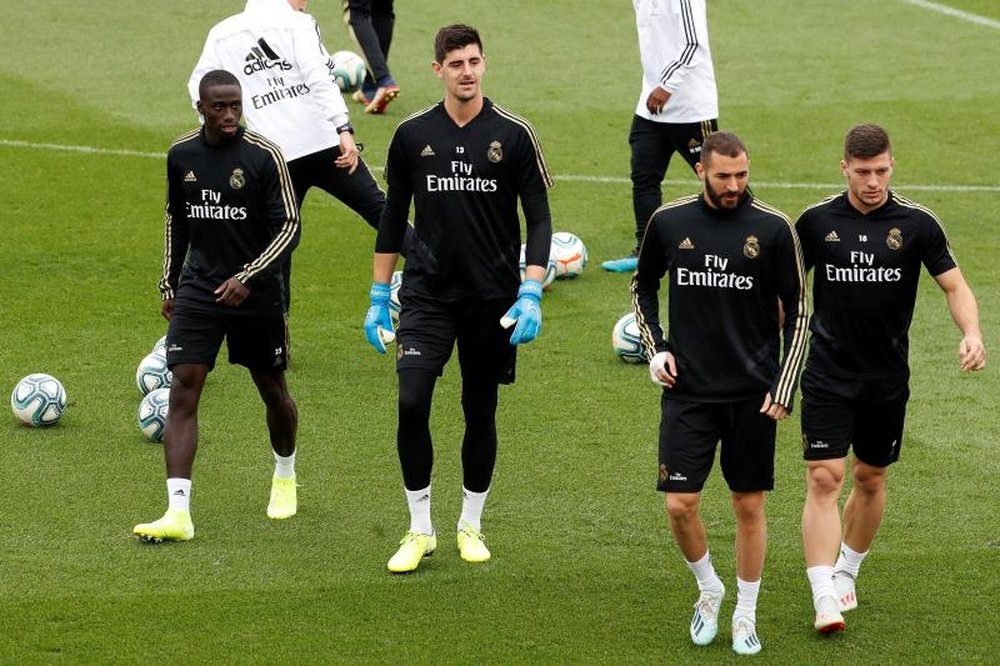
pixel 348 70
pixel 152 416
pixel 38 400
pixel 152 373
pixel 625 340
pixel 569 254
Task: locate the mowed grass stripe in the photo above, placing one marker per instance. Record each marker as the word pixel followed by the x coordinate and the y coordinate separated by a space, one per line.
pixel 570 178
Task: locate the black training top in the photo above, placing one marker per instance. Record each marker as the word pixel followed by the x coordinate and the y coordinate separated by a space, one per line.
pixel 465 183
pixel 231 211
pixel 728 270
pixel 865 282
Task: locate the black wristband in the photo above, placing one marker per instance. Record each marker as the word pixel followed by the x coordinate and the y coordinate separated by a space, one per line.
pixel 346 127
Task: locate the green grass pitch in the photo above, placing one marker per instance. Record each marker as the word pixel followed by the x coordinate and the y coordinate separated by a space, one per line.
pixel 584 570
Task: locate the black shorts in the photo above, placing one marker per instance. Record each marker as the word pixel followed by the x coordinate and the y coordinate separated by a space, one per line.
pixel 429 328
pixel 866 414
pixel 254 341
pixel 690 431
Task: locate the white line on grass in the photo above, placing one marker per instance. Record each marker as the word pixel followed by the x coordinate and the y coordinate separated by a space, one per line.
pixel 570 178
pixel 957 13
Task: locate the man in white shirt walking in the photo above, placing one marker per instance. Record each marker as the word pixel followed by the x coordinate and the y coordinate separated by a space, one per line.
pixel 678 106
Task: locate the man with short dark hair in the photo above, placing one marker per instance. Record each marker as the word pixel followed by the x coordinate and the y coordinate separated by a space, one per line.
pixel 867 245
pixel 231 222
pixel 731 260
pixel 465 163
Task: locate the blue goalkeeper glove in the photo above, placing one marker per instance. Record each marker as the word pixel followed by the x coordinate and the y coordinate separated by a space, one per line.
pixel 378 323
pixel 526 312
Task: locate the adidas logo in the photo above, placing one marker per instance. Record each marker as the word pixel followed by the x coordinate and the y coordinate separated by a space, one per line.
pixel 262 58
pixel 427 151
pixel 685 244
pixel 179 491
pixel 190 178
pixel 832 237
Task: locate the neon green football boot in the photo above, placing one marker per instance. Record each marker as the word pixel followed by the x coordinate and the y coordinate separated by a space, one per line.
pixel 471 544
pixel 175 525
pixel 412 549
pixel 284 498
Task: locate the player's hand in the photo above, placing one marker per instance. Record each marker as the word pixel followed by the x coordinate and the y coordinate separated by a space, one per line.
pixel 231 292
pixel 972 353
pixel 378 322
pixel 167 309
pixel 657 100
pixel 663 369
pixel 526 312
pixel 348 158
pixel 773 410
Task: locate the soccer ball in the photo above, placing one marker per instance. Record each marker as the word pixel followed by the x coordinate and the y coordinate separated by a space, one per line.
pixel 397 282
pixel 625 340
pixel 161 346
pixel 569 254
pixel 38 400
pixel 550 270
pixel 348 70
pixel 152 373
pixel 152 414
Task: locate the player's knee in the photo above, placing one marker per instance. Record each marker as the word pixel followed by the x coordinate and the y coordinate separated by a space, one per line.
pixel 682 507
pixel 868 479
pixel 824 480
pixel 748 507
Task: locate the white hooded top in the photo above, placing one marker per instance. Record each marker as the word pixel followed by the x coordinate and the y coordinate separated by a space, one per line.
pixel 673 48
pixel 278 56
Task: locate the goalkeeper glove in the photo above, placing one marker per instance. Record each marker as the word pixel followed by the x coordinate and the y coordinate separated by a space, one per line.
pixel 526 312
pixel 378 323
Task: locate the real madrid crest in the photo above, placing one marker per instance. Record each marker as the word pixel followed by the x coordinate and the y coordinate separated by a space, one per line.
pixel 237 180
pixel 495 152
pixel 895 239
pixel 751 248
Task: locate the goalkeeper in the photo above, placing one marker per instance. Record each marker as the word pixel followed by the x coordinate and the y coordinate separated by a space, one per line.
pixel 464 163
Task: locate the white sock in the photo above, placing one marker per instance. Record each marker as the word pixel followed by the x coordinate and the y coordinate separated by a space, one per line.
pixel 821 580
pixel 704 572
pixel 284 466
pixel 179 494
pixel 849 560
pixel 419 502
pixel 746 598
pixel 472 508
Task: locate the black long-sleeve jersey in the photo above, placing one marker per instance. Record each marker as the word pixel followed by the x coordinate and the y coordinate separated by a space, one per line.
pixel 231 212
pixel 865 282
pixel 465 183
pixel 727 272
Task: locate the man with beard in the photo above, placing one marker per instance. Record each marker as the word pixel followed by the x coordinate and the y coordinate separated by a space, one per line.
pixel 732 260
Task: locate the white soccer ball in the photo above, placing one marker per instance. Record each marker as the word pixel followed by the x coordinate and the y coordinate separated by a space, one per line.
pixel 550 270
pixel 569 254
pixel 152 373
pixel 161 346
pixel 152 414
pixel 626 342
pixel 397 282
pixel 348 70
pixel 38 400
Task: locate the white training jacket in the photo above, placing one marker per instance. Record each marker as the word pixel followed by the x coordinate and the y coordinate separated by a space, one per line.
pixel 278 55
pixel 673 48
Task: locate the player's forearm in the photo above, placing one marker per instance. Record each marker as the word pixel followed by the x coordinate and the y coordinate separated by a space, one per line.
pixel 964 310
pixel 382 266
